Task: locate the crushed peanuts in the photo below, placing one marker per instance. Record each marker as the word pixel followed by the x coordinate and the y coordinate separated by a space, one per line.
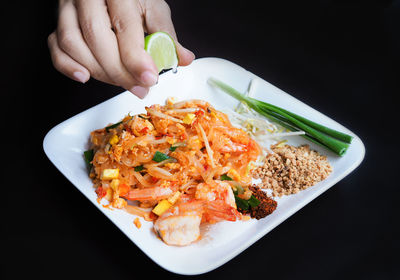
pixel 290 169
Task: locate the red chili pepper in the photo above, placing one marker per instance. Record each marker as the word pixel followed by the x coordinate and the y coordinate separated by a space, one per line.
pixel 199 113
pixel 154 179
pixel 144 130
pixel 101 192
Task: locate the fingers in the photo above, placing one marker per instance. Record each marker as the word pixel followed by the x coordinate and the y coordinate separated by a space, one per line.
pixel 102 42
pixel 70 40
pixel 127 23
pixel 158 18
pixel 105 39
pixel 185 56
pixel 64 63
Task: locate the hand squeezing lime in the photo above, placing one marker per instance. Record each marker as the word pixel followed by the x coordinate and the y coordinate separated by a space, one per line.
pixel 162 49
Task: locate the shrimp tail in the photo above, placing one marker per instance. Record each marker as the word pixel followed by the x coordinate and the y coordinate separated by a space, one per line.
pixel 218 210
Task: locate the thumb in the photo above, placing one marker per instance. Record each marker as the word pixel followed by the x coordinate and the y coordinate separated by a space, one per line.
pixel 185 56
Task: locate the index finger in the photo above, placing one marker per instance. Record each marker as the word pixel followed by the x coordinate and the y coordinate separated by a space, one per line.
pixel 127 23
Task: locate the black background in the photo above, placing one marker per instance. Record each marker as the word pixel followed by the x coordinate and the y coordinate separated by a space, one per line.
pixel 340 57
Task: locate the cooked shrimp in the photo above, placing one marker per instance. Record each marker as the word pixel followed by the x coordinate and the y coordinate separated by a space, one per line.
pixel 180 225
pixel 219 190
pixel 228 146
pixel 218 210
pixel 220 203
pixel 140 126
pixel 154 193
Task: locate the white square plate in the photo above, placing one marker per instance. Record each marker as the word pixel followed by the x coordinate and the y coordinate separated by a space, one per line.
pixel 65 143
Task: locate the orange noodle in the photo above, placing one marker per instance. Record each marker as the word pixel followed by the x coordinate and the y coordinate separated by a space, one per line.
pixel 178 153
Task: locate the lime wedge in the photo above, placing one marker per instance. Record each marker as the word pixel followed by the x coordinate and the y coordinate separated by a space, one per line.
pixel 161 48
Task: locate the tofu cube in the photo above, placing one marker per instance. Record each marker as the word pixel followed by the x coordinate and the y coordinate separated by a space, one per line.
pixel 113 140
pixel 109 174
pixel 161 207
pixel 189 118
pixel 114 184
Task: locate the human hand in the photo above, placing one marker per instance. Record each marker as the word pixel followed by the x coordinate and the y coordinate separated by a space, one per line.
pixel 104 39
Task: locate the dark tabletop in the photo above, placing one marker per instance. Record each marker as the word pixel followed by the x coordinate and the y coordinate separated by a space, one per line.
pixel 340 57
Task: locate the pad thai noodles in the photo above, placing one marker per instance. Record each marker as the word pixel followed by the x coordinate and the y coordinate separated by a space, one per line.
pixel 178 165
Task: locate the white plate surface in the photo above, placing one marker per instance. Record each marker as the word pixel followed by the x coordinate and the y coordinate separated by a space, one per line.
pixel 64 145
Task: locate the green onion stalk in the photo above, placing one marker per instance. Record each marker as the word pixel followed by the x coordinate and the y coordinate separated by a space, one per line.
pixel 334 140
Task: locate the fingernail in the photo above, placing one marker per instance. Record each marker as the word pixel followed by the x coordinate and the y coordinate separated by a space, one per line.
pixel 139 91
pixel 80 77
pixel 148 78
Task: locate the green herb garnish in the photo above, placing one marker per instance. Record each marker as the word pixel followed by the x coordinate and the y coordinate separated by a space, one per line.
pixel 113 126
pixel 246 204
pixel 159 157
pixel 241 203
pixel 139 168
pixel 253 201
pixel 89 155
pixel 118 123
pixel 225 177
pixel 334 140
pixel 173 148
